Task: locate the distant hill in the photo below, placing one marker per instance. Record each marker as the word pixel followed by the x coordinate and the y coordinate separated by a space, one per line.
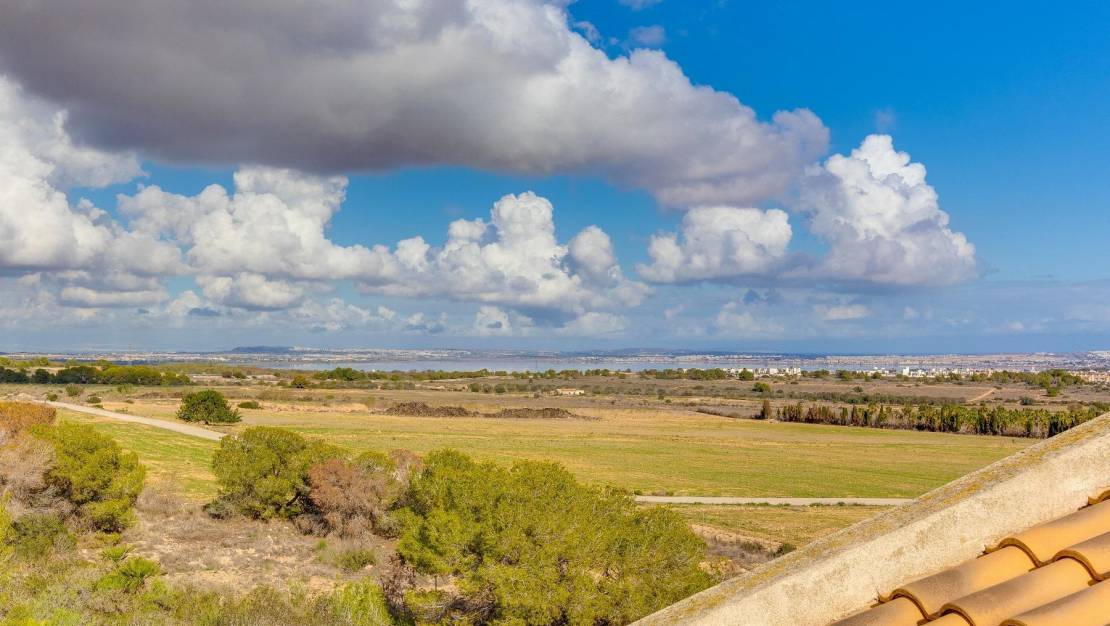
pixel 262 350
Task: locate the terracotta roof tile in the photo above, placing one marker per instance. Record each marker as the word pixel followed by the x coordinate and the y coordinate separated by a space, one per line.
pixel 1044 541
pixel 1089 607
pixel 991 606
pixel 1094 553
pixel 897 612
pixel 1047 575
pixel 952 619
pixel 933 592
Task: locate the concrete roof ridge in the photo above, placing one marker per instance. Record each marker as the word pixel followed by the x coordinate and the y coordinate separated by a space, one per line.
pixel 848 570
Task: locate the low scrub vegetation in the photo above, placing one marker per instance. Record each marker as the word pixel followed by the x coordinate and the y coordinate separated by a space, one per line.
pixel 478 543
pixel 17 417
pixel 66 491
pixel 530 545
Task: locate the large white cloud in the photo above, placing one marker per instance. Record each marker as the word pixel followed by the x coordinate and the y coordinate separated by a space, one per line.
pixel 273 223
pixel 515 260
pixel 719 243
pixel 882 221
pixel 358 84
pixel 265 246
pixel 74 244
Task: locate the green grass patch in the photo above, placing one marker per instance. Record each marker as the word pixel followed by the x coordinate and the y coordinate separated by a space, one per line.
pixel 180 461
pixel 797 525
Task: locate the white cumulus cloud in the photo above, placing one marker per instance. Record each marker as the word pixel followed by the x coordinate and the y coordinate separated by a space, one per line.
pixel 515 260
pixel 882 221
pixel 719 242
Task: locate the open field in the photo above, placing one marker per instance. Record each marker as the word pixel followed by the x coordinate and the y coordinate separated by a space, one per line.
pixel 181 463
pixel 797 525
pixel 651 450
pixel 172 459
pixel 644 444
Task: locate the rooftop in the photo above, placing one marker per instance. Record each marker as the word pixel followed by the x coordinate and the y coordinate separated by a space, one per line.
pixel 1023 538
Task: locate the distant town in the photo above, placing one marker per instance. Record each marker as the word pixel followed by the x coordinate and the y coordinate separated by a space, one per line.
pixel 1092 365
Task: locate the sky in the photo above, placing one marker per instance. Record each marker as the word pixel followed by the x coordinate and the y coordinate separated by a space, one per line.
pixel 599 174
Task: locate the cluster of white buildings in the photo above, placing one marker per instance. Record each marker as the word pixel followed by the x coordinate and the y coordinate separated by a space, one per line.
pixel 765 371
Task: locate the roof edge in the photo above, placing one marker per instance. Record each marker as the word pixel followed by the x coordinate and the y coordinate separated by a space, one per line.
pixel 948 525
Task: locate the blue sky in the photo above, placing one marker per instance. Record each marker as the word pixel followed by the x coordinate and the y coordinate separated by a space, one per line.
pixel 1004 104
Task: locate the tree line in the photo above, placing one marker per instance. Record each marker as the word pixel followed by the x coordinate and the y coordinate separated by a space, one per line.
pixel 948 418
pixel 107 374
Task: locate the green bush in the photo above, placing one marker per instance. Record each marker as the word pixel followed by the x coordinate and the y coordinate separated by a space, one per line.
pixel 93 473
pixel 355 559
pixel 73 391
pixel 36 535
pixel 93 400
pixel 208 406
pixel 530 545
pixel 129 576
pixel 250 404
pixel 116 553
pixel 263 472
pixel 52 397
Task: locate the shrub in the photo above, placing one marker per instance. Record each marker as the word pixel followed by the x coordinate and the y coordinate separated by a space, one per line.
pixel 263 472
pixel 52 397
pixel 36 535
pixel 93 400
pixel 129 576
pixel 530 545
pixel 116 553
pixel 761 388
pixel 93 473
pixel 18 417
pixel 208 406
pixel 355 559
pixel 350 498
pixel 250 404
pixel 360 604
pixel 73 391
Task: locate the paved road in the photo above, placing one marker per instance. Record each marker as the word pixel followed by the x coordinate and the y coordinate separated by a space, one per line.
pixel 790 501
pixel 184 429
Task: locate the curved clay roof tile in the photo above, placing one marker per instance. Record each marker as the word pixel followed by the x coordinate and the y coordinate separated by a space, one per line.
pixel 931 593
pixel 1094 553
pixel 991 606
pixel 1090 607
pixel 1044 541
pixel 897 612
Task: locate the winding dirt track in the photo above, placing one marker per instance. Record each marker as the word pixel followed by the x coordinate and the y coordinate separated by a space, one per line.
pixel 184 429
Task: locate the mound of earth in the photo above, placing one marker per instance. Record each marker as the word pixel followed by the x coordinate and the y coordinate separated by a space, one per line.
pixel 546 413
pixel 420 409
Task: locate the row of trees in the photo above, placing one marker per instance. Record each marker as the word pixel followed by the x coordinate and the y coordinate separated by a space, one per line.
pixel 479 543
pixel 949 418
pixel 105 374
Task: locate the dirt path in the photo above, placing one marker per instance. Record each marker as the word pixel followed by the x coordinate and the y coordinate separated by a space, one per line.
pixel 184 429
pixel 983 396
pixel 787 501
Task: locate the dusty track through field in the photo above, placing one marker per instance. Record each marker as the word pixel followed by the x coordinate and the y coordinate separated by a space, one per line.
pixel 184 429
pixel 773 501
